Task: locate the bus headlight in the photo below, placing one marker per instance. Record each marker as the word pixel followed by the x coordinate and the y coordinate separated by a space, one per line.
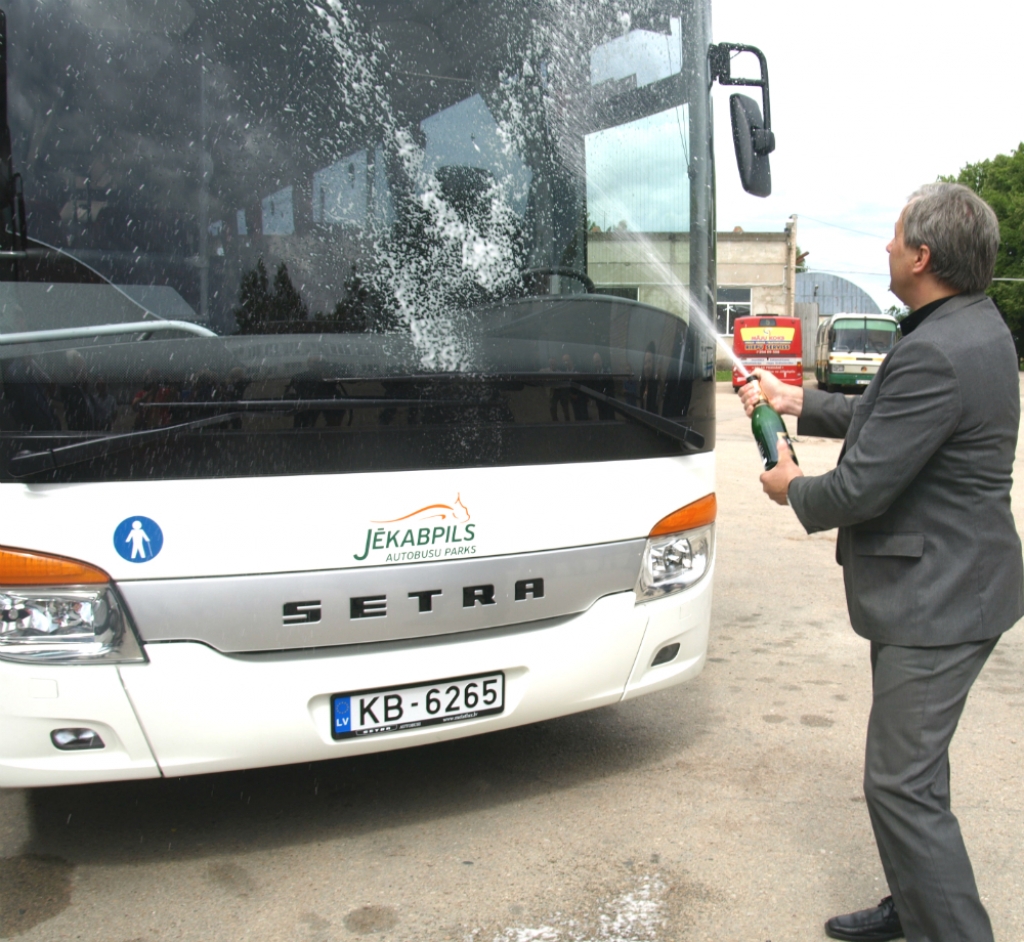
pixel 838 368
pixel 45 618
pixel 679 550
pixel 676 562
pixel 72 623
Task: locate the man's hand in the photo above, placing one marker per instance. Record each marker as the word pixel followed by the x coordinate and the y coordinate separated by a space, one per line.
pixel 783 398
pixel 776 481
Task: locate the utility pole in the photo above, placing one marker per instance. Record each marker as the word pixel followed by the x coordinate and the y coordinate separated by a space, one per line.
pixel 790 278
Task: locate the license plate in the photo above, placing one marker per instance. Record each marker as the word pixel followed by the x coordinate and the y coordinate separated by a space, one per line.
pixel 863 382
pixel 392 709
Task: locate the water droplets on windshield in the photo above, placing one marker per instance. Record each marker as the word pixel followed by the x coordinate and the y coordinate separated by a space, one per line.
pixel 350 191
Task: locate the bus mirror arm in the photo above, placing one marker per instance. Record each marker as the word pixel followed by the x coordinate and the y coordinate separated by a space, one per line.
pixel 752 135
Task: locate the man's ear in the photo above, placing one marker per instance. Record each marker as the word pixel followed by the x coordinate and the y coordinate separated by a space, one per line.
pixel 922 260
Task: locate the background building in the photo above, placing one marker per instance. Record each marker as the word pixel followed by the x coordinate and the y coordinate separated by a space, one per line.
pixel 756 275
pixel 818 295
pixel 756 270
pixel 833 294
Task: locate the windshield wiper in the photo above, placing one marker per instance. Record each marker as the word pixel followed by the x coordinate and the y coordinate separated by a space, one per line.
pixel 533 377
pixel 296 405
pixel 666 427
pixel 24 464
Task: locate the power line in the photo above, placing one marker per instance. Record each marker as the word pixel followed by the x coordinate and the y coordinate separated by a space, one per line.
pixel 835 225
pixel 825 271
pixel 874 274
pixel 846 271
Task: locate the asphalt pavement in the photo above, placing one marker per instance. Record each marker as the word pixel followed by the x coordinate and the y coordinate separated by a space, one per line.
pixel 726 809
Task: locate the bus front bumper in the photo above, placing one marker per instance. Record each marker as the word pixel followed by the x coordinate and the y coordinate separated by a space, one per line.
pixel 859 376
pixel 193 710
pixel 792 373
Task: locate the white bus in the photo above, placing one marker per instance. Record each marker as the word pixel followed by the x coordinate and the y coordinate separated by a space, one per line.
pixel 851 347
pixel 318 435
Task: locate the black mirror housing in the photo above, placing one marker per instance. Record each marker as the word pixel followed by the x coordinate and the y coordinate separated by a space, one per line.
pixel 753 145
pixel 751 133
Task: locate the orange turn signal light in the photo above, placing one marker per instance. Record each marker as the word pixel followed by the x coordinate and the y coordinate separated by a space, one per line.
pixel 698 514
pixel 23 567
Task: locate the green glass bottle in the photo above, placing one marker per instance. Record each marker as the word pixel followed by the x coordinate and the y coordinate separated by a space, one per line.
pixel 768 429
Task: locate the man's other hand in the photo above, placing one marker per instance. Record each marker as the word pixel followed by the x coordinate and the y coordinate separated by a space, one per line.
pixel 783 398
pixel 776 481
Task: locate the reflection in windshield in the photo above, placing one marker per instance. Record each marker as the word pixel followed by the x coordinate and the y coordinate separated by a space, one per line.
pixel 364 156
pixel 350 196
pixel 864 336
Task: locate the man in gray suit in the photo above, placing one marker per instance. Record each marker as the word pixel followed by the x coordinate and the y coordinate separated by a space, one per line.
pixel 930 554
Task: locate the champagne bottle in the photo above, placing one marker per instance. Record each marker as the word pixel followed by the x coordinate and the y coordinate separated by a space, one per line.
pixel 769 429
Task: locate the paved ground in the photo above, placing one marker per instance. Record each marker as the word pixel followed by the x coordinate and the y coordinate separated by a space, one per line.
pixel 728 809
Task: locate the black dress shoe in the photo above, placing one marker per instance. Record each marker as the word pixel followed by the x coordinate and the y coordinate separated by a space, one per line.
pixel 867 925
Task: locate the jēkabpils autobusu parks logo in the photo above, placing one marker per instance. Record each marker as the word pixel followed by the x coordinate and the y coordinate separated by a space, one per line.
pixel 436 531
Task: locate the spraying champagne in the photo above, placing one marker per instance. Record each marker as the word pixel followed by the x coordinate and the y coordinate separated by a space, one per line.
pixel 768 429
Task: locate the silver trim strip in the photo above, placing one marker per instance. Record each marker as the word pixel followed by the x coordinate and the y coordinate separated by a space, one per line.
pixel 238 614
pixel 106 330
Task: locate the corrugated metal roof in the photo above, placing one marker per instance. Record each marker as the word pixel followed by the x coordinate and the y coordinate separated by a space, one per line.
pixel 832 294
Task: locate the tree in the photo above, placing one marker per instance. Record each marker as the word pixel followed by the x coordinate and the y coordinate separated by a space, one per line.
pixel 1000 182
pixel 259 307
pixel 286 304
pixel 354 313
pixel 253 299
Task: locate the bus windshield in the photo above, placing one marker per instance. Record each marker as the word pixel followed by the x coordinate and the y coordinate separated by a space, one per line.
pixel 863 335
pixel 320 236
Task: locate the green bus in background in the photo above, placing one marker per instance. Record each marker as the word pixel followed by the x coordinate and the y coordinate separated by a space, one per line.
pixel 851 347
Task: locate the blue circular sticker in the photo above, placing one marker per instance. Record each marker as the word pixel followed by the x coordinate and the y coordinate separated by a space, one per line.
pixel 138 539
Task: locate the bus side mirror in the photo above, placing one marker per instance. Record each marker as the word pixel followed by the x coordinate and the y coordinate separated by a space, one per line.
pixel 751 133
pixel 753 145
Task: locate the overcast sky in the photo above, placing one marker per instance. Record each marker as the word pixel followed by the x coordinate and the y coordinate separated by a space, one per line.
pixel 869 100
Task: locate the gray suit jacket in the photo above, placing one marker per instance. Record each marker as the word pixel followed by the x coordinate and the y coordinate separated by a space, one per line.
pixel 921 493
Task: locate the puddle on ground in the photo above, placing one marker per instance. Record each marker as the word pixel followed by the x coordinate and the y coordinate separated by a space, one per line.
pixel 232 877
pixel 809 719
pixel 369 919
pixel 634 916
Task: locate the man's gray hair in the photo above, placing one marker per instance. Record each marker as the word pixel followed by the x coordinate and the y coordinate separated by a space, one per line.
pixel 959 228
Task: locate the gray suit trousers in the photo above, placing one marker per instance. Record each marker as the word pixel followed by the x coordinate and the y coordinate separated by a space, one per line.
pixel 919 694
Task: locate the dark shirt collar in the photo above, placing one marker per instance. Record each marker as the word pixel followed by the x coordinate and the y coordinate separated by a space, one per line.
pixel 912 321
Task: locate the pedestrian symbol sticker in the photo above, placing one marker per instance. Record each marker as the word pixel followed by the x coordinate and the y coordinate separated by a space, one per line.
pixel 138 539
